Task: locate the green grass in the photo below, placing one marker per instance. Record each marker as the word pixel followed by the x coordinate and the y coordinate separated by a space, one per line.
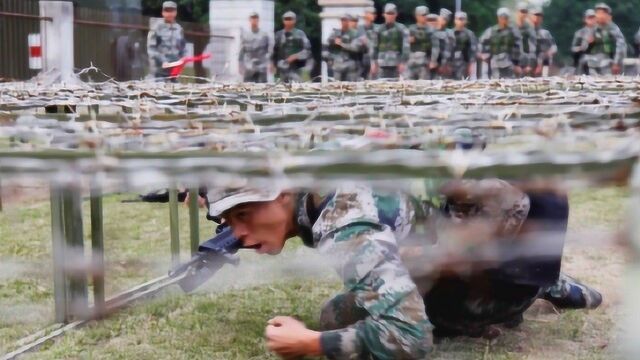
pixel 226 321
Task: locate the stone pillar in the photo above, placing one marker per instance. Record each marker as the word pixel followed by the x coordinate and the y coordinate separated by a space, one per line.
pixel 57 38
pixel 332 10
pixel 231 17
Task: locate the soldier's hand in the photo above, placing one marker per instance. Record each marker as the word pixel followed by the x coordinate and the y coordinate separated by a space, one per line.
pixel 517 70
pixel 527 70
pixel 291 59
pixel 412 39
pixel 374 68
pixel 290 338
pixel 433 66
pixel 401 68
pixel 538 70
pixel 338 41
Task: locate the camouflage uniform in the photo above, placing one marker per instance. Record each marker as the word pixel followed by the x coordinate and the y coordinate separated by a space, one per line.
pixel 380 313
pixel 636 43
pixel 447 39
pixel 290 43
pixel 425 50
pixel 504 47
pixel 579 46
pixel 391 49
pixel 256 52
pixel 546 47
pixel 342 59
pixel 367 34
pixel 464 53
pixel 165 44
pixel 609 47
pixel 529 46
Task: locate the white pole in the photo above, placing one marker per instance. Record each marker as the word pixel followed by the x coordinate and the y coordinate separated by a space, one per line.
pixel 57 38
pixel 458 5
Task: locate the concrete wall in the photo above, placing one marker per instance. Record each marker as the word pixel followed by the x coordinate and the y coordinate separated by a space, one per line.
pixel 231 17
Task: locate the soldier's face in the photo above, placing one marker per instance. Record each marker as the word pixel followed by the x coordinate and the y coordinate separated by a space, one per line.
pixel 460 23
pixel 522 15
pixel 345 24
pixel 602 17
pixel 503 21
pixel 254 21
pixel 289 23
pixel 370 17
pixel 169 15
pixel 390 17
pixel 421 19
pixel 590 21
pixel 537 20
pixel 264 226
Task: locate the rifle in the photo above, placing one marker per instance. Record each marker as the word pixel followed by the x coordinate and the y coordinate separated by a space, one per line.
pixel 212 255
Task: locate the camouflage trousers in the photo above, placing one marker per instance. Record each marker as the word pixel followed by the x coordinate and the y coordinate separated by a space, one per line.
pixel 290 75
pixel 460 70
pixel 418 72
pixel 259 76
pixel 598 64
pixel 346 73
pixel 388 72
pixel 502 73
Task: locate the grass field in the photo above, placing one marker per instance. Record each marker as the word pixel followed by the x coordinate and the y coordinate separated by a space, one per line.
pixel 227 319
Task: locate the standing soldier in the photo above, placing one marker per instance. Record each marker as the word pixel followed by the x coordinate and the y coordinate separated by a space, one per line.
pixel 165 42
pixel 501 47
pixel 292 50
pixel 391 50
pixel 546 47
pixel 342 50
pixel 528 61
pixel 466 47
pixel 425 47
pixel 447 42
pixel 368 38
pixel 580 42
pixel 255 52
pixel 607 46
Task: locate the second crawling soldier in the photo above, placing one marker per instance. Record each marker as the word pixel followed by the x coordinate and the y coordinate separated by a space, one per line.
pixel 391 50
pixel 165 41
pixel 465 49
pixel 292 50
pixel 501 46
pixel 256 51
pixel 342 51
pixel 425 47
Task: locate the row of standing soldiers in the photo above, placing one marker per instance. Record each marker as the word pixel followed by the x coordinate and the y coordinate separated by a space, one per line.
pixel 429 49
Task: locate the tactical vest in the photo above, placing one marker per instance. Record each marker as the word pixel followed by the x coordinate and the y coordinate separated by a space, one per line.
pixel 526 36
pixel 289 44
pixel 390 39
pixel 603 43
pixel 502 41
pixel 422 39
pixel 463 41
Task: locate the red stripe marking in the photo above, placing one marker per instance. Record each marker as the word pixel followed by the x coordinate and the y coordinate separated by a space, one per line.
pixel 35 51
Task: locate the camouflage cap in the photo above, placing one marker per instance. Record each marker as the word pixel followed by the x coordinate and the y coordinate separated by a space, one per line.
pixel 390 8
pixel 432 17
pixel 289 15
pixel 461 15
pixel 345 16
pixel 445 14
pixel 422 11
pixel 523 6
pixel 538 11
pixel 254 14
pixel 169 5
pixel 225 199
pixel 504 12
pixel 353 17
pixel 589 13
pixel 371 10
pixel 603 6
